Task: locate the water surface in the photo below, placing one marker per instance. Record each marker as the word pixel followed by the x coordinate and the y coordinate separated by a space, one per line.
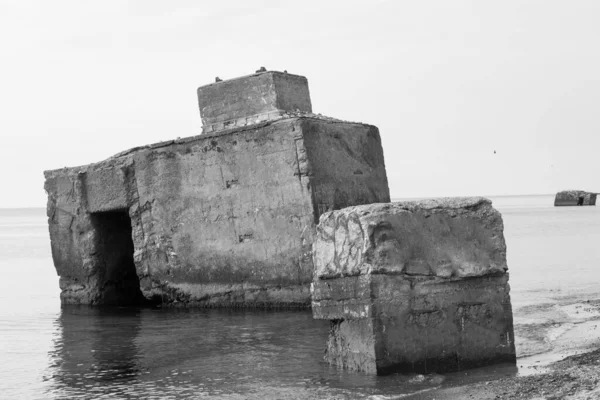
pixel 82 352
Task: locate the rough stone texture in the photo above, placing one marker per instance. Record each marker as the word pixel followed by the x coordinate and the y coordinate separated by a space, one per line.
pixel 251 99
pixel 414 286
pixel 575 198
pixel 223 219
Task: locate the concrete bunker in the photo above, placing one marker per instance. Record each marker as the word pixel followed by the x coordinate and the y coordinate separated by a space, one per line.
pixel 414 286
pixel 575 198
pixel 118 280
pixel 229 218
pixel 222 219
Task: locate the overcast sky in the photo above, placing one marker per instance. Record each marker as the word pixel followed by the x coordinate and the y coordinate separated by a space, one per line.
pixel 447 83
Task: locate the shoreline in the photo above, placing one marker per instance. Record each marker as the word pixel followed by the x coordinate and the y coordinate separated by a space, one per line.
pixel 558 348
pixel 575 377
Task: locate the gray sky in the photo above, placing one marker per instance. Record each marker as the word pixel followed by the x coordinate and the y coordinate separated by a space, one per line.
pixel 446 82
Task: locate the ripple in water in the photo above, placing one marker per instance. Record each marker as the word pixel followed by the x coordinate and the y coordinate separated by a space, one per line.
pixel 145 353
pixel 80 352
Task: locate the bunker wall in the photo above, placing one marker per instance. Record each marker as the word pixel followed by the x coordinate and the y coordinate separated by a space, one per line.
pixel 229 219
pixel 347 165
pixel 216 220
pixel 414 286
pixel 575 198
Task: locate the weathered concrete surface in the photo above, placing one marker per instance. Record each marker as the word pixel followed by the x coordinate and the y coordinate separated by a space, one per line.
pixel 224 219
pixel 414 286
pixel 251 99
pixel 575 198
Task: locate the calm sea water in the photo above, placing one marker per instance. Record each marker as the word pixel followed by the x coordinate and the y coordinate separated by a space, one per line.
pixel 80 352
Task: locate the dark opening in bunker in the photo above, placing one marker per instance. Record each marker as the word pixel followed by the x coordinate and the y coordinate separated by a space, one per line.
pixel 580 201
pixel 117 277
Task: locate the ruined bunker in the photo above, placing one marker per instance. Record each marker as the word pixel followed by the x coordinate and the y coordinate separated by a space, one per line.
pixel 575 198
pixel 270 198
pixel 414 286
pixel 226 218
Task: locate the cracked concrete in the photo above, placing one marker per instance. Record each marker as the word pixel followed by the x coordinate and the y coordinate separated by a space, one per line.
pixel 222 219
pixel 414 286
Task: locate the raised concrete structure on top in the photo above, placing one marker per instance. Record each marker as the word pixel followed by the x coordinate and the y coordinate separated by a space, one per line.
pixel 251 99
pixel 226 218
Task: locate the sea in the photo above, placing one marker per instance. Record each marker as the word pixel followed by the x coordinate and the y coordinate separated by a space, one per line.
pixel 79 352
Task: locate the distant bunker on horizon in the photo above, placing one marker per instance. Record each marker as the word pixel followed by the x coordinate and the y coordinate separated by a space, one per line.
pixel 223 219
pixel 575 198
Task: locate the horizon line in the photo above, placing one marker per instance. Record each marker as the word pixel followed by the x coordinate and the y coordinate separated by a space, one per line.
pixel 391 197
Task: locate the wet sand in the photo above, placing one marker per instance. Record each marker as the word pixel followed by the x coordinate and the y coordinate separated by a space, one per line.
pixel 558 349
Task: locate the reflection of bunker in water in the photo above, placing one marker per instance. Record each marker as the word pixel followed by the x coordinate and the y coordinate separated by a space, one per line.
pixel 95 345
pixel 116 354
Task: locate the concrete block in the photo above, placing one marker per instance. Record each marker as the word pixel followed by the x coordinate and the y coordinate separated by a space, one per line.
pixel 414 286
pixel 259 96
pixel 213 214
pixel 575 198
